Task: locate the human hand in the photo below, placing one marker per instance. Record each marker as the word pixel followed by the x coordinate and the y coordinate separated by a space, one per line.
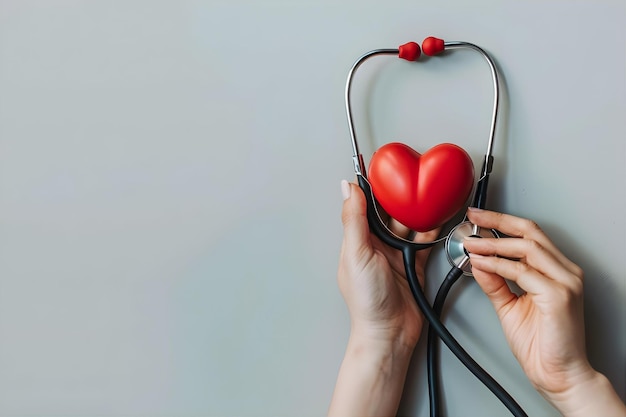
pixel 544 326
pixel 385 320
pixel 372 278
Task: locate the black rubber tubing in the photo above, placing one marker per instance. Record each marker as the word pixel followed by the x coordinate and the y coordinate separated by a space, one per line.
pixel 409 250
pixel 432 350
pixel 408 256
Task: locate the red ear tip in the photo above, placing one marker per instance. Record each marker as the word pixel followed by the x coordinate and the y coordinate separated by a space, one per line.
pixel 409 51
pixel 432 46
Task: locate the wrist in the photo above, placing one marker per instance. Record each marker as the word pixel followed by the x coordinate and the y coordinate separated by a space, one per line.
pixel 381 345
pixel 385 337
pixel 371 377
pixel 591 393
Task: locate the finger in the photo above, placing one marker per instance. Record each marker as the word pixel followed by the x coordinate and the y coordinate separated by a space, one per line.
pixel 506 223
pixel 422 237
pixel 393 256
pixel 519 227
pixel 522 274
pixel 398 228
pixel 354 218
pixel 496 289
pixel 528 251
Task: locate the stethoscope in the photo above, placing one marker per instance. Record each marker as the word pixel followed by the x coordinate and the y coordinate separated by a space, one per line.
pixel 454 249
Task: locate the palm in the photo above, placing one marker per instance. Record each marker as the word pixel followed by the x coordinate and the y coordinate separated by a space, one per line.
pixel 550 347
pixel 395 300
pixel 372 277
pixel 383 297
pixel 519 322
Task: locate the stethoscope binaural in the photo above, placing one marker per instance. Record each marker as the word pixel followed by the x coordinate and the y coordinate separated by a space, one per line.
pixel 455 251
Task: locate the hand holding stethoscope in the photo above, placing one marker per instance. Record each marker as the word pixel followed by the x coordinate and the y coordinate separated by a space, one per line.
pixel 385 321
pixel 364 255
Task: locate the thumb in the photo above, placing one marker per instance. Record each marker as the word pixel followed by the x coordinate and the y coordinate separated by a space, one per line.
pixel 356 234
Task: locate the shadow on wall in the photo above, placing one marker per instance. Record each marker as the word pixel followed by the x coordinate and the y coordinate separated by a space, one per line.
pixel 603 304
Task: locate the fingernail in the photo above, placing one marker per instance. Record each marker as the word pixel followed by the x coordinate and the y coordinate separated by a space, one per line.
pixel 476 256
pixel 345 189
pixel 474 209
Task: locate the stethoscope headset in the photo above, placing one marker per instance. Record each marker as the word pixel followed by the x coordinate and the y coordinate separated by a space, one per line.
pixel 455 251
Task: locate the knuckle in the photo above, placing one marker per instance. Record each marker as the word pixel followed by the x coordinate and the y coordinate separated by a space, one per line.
pixel 534 246
pixel 561 295
pixel 522 267
pixel 345 217
pixel 489 247
pixel 565 295
pixel 508 267
pixel 576 286
pixel 578 271
pixel 350 217
pixel 531 225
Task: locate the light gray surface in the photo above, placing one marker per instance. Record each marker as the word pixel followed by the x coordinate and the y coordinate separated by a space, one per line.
pixel 169 191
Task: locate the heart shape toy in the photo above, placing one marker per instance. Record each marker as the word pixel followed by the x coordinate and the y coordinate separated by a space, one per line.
pixel 421 191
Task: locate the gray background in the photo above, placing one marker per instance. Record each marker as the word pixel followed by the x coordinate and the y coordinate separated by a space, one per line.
pixel 170 200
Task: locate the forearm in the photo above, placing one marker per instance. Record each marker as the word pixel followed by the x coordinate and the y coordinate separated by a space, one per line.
pixel 371 378
pixel 594 396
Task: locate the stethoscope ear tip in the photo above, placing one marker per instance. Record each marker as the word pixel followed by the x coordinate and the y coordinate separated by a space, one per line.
pixel 431 46
pixel 410 51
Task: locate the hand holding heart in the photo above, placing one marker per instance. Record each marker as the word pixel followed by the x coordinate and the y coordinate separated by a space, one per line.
pixel 385 321
pixel 372 278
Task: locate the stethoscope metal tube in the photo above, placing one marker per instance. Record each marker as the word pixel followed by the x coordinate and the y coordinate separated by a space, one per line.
pixel 357 158
pixel 481 188
pixel 487 165
pixel 454 239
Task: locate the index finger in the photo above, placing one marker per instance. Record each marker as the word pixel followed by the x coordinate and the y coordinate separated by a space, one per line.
pixel 519 227
pixel 506 223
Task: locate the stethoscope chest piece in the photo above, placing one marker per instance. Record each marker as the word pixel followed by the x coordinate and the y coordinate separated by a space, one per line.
pixel 457 255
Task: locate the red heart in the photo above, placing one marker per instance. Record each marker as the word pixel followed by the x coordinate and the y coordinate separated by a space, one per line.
pixel 421 191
